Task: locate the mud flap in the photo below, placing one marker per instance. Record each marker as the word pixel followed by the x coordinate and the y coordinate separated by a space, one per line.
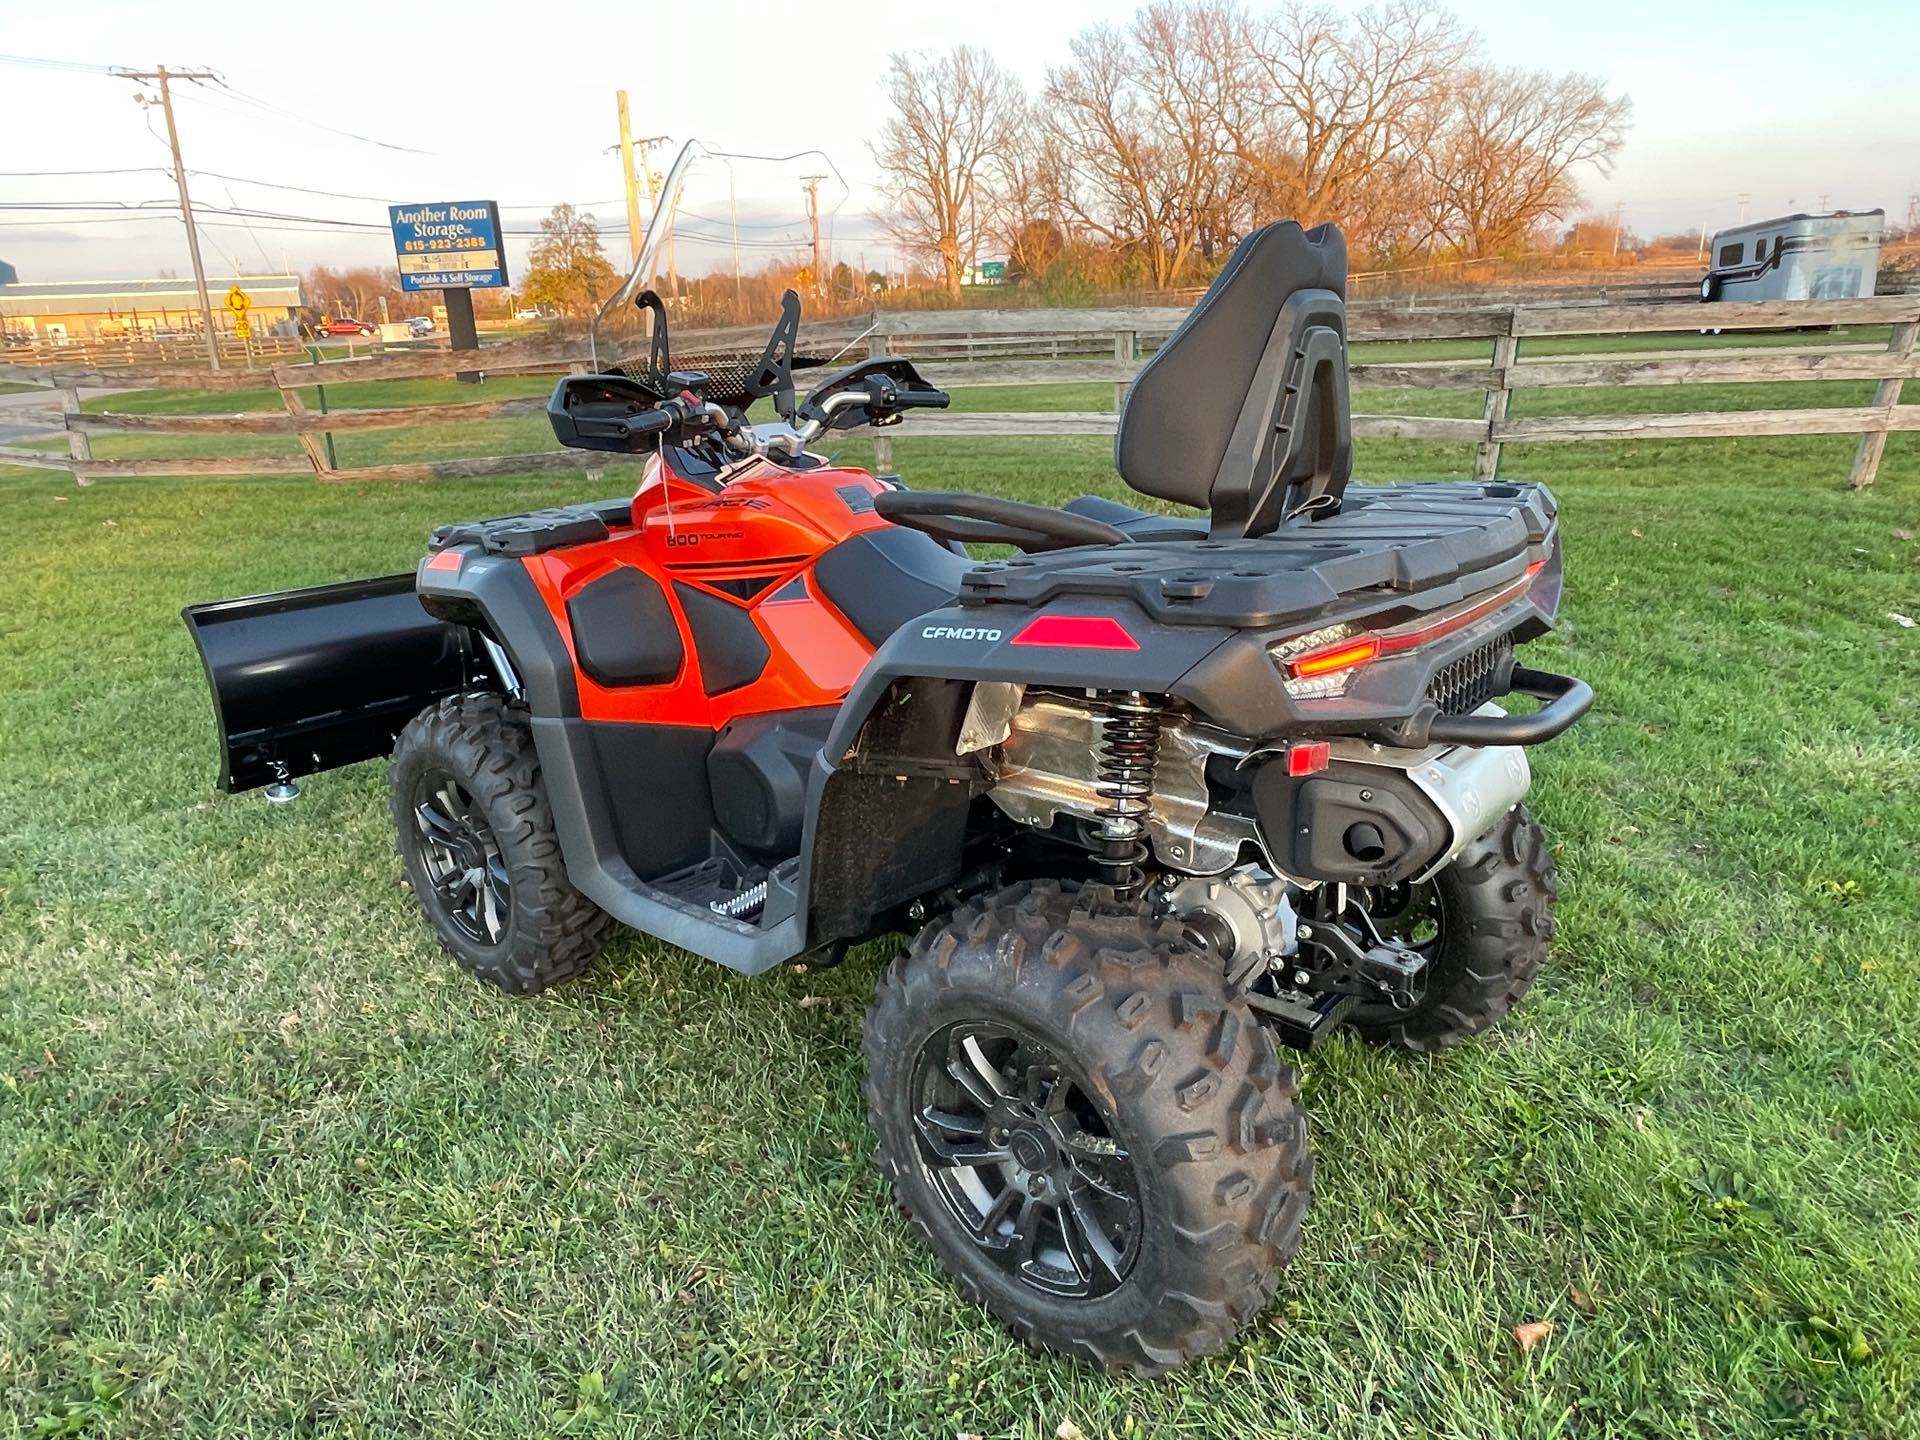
pixel 307 680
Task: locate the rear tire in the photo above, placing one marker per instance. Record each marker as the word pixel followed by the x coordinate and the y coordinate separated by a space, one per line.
pixel 476 834
pixel 1141 1128
pixel 1495 919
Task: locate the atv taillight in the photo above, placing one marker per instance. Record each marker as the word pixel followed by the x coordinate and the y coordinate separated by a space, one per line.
pixel 1320 664
pixel 1340 657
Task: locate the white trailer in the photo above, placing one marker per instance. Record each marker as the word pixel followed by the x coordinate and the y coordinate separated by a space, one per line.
pixel 1797 257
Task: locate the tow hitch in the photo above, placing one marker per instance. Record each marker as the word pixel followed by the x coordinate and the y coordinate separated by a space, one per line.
pixel 1343 959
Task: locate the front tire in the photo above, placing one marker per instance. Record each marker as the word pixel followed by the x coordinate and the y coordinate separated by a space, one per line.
pixel 476 834
pixel 1095 1138
pixel 1490 914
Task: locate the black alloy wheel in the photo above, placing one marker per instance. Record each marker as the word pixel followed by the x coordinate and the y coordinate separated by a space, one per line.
pixel 1092 1133
pixel 1025 1160
pixel 465 869
pixel 476 834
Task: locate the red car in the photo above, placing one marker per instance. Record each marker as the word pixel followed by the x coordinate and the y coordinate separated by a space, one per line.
pixel 343 326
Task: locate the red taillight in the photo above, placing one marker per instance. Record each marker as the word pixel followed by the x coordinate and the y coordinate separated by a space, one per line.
pixel 1343 656
pixel 1308 759
pixel 1347 654
pixel 444 560
pixel 1076 632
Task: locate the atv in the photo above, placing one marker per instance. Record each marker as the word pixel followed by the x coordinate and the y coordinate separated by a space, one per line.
pixel 1153 794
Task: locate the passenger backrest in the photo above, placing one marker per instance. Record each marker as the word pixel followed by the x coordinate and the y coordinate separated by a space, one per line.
pixel 1244 411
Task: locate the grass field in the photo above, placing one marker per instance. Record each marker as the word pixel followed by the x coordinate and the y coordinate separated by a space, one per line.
pixel 273 1167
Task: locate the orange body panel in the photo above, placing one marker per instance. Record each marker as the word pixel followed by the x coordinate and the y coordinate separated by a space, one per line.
pixel 753 545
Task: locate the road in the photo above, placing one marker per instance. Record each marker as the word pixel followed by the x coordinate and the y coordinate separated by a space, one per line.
pixel 35 414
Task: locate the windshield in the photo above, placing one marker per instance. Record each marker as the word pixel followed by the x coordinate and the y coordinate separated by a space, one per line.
pixel 729 235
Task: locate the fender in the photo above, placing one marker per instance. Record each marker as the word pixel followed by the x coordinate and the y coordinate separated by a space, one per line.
pixel 971 643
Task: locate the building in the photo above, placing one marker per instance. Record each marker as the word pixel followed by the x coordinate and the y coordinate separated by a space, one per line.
pixel 129 309
pixel 1794 257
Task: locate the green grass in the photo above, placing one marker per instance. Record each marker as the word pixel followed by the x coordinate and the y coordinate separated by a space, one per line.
pixel 273 1167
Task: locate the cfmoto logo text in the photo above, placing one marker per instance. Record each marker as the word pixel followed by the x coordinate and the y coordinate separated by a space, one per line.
pixel 958 632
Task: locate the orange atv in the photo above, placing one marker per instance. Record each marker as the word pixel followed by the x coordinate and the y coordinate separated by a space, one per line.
pixel 1149 797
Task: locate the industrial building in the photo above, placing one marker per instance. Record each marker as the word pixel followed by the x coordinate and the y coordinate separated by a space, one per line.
pixel 62 310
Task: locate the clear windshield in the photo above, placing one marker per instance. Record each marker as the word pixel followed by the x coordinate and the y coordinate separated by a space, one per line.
pixel 729 235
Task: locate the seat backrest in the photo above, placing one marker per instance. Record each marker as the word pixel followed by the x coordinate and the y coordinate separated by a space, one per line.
pixel 1244 411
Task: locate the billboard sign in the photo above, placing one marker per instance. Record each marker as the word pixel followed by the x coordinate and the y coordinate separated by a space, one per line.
pixel 449 245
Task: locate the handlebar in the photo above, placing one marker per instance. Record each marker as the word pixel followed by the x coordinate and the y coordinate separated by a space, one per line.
pixel 678 410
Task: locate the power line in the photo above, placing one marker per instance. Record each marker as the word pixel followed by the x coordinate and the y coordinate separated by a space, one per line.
pixel 283 113
pixel 34 62
pixel 116 170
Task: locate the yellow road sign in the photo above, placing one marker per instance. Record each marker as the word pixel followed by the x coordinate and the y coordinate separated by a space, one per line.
pixel 242 329
pixel 237 301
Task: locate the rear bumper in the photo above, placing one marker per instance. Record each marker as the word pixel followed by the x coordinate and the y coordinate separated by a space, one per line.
pixel 307 680
pixel 1567 700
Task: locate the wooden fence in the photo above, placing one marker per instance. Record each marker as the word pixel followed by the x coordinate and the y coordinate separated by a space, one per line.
pixel 1101 346
pixel 184 349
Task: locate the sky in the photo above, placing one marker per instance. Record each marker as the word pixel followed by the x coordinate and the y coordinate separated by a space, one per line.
pixel 1788 103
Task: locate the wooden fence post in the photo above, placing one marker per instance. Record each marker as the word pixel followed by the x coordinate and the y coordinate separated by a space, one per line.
pixel 882 439
pixel 310 442
pixel 1506 349
pixel 79 443
pixel 1886 395
pixel 1126 348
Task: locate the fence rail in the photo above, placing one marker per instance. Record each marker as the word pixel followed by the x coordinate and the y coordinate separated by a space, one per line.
pixel 997 347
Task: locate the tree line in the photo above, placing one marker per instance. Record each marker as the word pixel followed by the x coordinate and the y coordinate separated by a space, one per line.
pixel 1157 143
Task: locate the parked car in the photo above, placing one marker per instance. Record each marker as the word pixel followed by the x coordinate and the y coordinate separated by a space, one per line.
pixel 343 326
pixel 420 324
pixel 530 314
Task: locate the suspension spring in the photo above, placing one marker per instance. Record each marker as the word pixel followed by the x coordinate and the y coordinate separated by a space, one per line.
pixel 1129 750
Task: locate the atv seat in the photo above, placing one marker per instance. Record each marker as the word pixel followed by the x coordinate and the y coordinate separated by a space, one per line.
pixel 1244 412
pixel 1138 524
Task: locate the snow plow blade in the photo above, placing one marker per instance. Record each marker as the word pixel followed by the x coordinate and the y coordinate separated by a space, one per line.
pixel 308 680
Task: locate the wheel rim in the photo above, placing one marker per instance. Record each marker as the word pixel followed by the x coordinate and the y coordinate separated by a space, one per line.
pixel 1025 1161
pixel 465 872
pixel 1409 913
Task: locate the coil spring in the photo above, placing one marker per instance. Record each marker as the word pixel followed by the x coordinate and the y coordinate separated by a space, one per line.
pixel 1129 750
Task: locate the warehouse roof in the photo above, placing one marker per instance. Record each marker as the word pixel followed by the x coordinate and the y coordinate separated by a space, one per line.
pixel 87 297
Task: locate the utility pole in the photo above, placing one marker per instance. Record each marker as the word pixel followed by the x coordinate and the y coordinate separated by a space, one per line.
pixel 627 147
pixel 161 74
pixel 1618 207
pixel 812 182
pixel 633 180
pixel 1743 197
pixel 1823 203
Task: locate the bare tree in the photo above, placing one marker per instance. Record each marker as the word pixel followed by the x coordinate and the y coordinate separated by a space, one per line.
pixel 1145 163
pixel 1501 160
pixel 1322 106
pixel 956 118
